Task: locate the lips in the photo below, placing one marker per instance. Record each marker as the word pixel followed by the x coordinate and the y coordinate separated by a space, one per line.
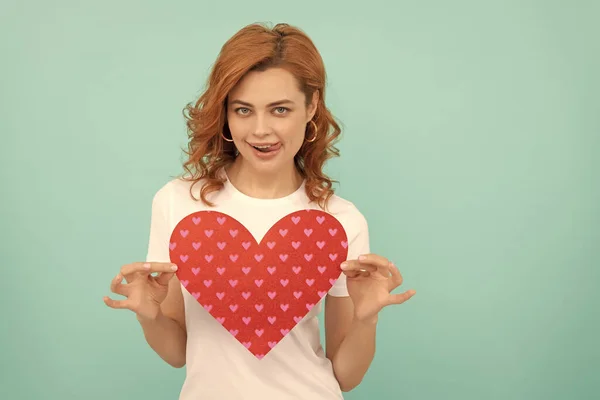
pixel 266 147
pixel 262 144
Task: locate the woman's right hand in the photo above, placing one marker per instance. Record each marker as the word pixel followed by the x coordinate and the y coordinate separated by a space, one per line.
pixel 144 291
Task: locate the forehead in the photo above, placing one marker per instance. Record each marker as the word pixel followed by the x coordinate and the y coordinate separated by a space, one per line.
pixel 263 87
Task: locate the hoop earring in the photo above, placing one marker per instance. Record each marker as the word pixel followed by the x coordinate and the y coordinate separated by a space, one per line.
pixel 224 138
pixel 315 129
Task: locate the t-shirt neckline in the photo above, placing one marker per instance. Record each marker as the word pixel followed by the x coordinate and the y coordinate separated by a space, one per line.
pixel 230 188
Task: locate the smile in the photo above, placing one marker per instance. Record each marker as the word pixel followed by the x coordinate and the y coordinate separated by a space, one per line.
pixel 265 151
pixel 266 147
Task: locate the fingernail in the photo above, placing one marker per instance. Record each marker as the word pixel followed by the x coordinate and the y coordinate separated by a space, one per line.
pixel 362 258
pixel 174 267
pixel 344 265
pixel 147 265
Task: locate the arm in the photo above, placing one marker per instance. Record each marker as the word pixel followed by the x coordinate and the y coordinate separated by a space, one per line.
pixel 166 334
pixel 350 343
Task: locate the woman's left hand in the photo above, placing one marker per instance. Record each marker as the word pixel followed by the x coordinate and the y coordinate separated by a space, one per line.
pixel 370 281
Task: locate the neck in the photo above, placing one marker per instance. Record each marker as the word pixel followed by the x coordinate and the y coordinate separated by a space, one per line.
pixel 262 185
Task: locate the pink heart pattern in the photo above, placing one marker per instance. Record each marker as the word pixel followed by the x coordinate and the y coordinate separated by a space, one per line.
pixel 258 291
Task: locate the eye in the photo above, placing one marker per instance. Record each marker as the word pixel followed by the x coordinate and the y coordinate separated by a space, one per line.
pixel 237 110
pixel 282 110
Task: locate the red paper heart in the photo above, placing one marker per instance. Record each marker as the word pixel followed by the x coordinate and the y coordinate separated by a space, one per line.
pixel 258 291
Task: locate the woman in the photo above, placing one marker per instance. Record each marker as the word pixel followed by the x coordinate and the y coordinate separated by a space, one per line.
pixel 259 137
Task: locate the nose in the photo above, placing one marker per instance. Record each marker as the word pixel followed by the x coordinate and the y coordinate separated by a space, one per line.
pixel 263 126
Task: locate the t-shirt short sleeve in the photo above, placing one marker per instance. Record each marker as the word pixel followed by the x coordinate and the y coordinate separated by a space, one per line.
pixel 158 242
pixel 358 243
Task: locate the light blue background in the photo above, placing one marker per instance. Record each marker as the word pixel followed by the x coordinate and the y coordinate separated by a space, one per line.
pixel 471 138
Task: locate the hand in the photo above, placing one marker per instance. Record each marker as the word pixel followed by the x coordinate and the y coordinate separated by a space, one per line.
pixel 370 280
pixel 144 291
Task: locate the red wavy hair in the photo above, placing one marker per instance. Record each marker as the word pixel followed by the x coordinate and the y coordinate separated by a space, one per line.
pixel 256 47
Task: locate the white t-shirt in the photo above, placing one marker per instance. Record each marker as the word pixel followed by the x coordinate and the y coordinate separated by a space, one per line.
pixel 217 367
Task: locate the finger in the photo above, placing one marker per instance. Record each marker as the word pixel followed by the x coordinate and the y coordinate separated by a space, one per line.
pixel 400 298
pixel 147 268
pixel 364 273
pixel 116 286
pixel 396 276
pixel 117 304
pixel 356 266
pixel 379 262
pixel 164 277
pixel 374 259
pixel 352 274
pixel 357 274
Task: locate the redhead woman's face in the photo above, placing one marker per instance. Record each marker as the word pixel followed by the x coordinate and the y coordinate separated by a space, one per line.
pixel 267 117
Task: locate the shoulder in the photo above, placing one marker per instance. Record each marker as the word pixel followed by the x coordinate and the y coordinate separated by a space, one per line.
pixel 177 190
pixel 163 195
pixel 349 215
pixel 355 226
pixel 342 208
pixel 178 197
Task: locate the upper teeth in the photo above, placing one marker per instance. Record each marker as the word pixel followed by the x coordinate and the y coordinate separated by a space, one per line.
pixel 263 147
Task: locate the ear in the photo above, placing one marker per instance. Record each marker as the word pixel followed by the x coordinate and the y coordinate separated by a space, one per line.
pixel 312 107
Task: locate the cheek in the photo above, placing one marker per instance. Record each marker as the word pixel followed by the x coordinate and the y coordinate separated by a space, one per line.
pixel 234 127
pixel 294 133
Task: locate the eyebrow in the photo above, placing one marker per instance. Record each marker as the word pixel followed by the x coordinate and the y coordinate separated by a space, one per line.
pixel 275 103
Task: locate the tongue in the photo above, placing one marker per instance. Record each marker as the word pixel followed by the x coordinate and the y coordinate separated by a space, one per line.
pixel 269 149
